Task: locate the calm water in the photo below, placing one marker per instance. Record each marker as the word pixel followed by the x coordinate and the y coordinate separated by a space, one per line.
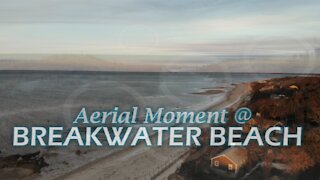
pixel 32 90
pixel 55 98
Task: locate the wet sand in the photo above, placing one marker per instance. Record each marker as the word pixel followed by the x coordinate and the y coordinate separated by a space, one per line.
pixel 209 92
pixel 142 162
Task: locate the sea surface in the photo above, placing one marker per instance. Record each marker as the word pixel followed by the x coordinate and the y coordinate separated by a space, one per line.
pixel 39 89
pixel 54 98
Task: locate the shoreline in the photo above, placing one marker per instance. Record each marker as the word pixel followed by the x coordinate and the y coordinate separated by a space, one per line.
pixel 235 95
pixel 116 161
pixel 273 101
pixel 140 154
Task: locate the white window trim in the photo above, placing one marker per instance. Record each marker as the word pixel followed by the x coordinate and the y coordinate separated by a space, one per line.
pixel 216 163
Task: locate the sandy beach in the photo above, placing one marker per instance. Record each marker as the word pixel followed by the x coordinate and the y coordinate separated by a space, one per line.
pixel 291 102
pixel 159 90
pixel 143 162
pixel 39 101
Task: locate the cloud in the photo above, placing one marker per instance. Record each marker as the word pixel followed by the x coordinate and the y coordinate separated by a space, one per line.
pixel 176 27
pixel 138 11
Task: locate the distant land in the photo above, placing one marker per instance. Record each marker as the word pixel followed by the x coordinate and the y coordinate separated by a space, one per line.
pixel 251 64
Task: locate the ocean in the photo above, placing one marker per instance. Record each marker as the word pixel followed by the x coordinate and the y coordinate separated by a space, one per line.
pixel 39 89
pixel 54 98
pixel 22 90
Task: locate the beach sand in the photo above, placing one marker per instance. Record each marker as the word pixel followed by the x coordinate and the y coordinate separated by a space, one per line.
pixel 39 99
pixel 291 102
pixel 112 163
pixel 142 162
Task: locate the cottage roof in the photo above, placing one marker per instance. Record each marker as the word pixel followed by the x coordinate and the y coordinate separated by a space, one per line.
pixel 238 155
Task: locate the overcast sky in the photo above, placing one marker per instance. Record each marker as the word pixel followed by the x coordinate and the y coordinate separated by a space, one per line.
pixel 156 27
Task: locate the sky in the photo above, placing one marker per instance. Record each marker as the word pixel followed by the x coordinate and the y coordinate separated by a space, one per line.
pixel 150 27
